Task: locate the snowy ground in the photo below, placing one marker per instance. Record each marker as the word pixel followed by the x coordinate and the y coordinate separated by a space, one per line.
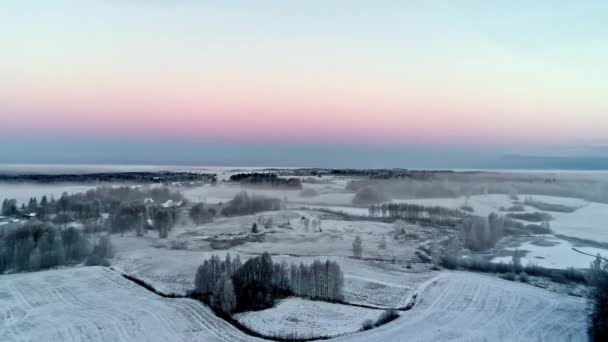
pixel 307 319
pixel 97 304
pixel 460 306
pixel 553 253
pixel 486 204
pixel 328 194
pixel 589 222
pixel 23 192
pixel 381 284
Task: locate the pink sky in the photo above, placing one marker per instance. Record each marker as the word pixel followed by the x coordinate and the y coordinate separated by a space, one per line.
pixel 359 74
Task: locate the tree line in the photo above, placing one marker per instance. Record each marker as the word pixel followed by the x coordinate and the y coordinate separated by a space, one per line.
pixel 411 211
pixel 244 204
pixel 40 245
pixel 266 179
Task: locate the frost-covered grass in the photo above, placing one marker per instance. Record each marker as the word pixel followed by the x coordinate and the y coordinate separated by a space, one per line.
pixel 460 306
pixel 97 304
pixel 307 319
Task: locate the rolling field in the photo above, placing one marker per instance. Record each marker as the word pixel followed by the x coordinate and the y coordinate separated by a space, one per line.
pixel 98 304
pixel 458 306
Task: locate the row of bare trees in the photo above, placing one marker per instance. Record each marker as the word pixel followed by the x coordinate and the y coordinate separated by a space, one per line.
pixel 411 211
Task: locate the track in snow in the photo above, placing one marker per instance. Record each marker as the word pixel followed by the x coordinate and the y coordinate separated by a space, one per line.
pixel 97 304
pixel 459 306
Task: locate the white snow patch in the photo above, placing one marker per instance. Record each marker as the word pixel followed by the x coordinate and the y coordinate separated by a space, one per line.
pixel 560 255
pixel 307 319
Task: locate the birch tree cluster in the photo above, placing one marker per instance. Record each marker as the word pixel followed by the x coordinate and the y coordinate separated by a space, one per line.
pixel 232 286
pixel 319 280
pixel 480 233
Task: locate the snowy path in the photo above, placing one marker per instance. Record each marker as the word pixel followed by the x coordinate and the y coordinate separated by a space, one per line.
pixel 97 304
pixel 458 306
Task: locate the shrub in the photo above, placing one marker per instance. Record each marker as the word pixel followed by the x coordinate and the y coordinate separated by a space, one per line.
pixel 509 276
pixel 367 325
pixel 178 244
pixel 523 277
pixel 467 208
pixel 95 260
pixel 387 316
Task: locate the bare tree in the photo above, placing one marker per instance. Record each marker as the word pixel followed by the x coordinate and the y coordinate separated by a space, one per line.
pixel 358 247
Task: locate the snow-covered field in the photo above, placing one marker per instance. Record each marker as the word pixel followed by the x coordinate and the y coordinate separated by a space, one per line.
pixel 379 284
pixel 553 253
pixel 328 194
pixel 589 222
pixel 307 319
pixel 486 204
pixel 460 306
pixel 98 304
pixel 23 192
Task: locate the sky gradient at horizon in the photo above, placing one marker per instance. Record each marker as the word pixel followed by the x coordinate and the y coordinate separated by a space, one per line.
pixel 436 73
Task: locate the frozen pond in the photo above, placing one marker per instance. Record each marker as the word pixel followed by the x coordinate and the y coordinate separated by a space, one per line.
pixel 553 253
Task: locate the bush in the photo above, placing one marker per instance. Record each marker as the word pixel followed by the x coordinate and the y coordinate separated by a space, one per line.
pixel 509 276
pixel 387 316
pixel 95 260
pixel 449 262
pixel 178 244
pixel 467 208
pixel 367 325
pixel 523 277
